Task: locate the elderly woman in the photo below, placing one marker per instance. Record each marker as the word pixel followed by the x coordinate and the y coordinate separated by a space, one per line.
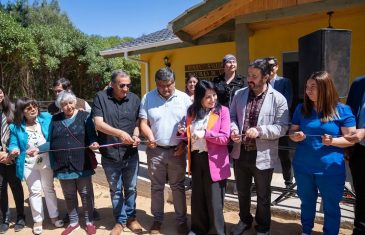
pixel 74 129
pixel 7 169
pixel 319 126
pixel 208 132
pixel 27 133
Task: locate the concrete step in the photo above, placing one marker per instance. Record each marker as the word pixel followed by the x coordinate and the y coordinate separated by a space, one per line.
pixel 288 207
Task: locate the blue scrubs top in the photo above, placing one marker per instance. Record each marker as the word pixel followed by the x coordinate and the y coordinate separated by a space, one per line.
pixel 313 157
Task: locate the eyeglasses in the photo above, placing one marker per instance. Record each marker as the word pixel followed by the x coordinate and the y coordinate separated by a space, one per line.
pixel 121 85
pixel 57 91
pixel 30 108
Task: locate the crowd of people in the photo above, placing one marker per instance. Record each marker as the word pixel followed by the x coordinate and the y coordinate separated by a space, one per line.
pixel 213 124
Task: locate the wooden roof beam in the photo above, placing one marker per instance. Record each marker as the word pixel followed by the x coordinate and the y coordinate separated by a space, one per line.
pixel 192 15
pixel 303 9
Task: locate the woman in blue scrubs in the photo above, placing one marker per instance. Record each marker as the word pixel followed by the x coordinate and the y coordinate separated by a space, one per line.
pixel 318 125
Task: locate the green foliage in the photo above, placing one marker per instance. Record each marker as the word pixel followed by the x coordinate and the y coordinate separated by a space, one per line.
pixel 16 41
pixel 18 54
pixel 39 44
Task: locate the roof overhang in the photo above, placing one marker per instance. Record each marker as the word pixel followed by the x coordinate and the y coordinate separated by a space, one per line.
pixel 224 33
pixel 203 18
pixel 116 52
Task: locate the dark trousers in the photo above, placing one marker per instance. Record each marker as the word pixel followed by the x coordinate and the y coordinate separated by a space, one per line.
pixel 83 186
pixel 207 198
pixel 357 164
pixel 92 198
pixel 245 169
pixel 285 160
pixel 8 176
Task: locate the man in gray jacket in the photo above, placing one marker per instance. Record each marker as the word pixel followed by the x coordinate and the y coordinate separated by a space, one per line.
pixel 259 117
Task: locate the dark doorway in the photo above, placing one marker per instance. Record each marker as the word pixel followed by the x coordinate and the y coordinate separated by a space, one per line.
pixel 291 71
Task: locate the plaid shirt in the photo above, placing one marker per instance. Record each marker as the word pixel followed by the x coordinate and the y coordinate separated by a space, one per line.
pixel 253 107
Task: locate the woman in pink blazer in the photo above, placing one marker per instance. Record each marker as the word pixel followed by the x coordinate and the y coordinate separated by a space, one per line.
pixel 207 130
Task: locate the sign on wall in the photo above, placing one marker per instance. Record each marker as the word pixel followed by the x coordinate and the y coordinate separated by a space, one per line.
pixel 204 71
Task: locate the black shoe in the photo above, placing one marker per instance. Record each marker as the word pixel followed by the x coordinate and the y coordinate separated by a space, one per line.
pixel 289 189
pixel 19 225
pixel 288 184
pixel 4 228
pixel 96 215
pixel 66 219
pixel 183 229
pixel 239 228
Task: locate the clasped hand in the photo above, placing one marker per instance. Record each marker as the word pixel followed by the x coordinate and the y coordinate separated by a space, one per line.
pixel 32 152
pixel 298 136
pixel 6 158
pixel 94 146
pixel 181 128
pixel 125 138
pixel 327 139
pixel 235 136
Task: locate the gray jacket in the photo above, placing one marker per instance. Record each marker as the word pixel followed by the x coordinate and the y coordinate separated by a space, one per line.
pixel 273 120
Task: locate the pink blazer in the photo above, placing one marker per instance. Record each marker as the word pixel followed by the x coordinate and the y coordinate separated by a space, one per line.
pixel 217 136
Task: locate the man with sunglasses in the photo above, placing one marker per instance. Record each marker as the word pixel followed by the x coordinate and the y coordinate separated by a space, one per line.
pixel 115 114
pixel 284 86
pixel 63 84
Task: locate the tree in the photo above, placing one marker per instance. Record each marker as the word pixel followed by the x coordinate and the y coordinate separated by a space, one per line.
pixel 18 55
pixel 40 44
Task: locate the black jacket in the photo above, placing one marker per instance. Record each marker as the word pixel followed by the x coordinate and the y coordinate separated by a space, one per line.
pixel 225 92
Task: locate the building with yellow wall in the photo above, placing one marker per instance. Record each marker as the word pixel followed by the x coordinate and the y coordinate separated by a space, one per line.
pixel 248 28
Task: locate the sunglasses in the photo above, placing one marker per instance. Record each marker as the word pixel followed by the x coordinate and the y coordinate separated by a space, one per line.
pixel 121 85
pixel 30 108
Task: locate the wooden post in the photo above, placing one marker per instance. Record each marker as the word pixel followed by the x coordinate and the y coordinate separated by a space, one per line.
pixel 242 47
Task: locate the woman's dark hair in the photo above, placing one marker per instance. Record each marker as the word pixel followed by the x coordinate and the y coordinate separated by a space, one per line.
pixel 327 97
pixel 7 107
pixel 263 65
pixel 66 84
pixel 20 105
pixel 187 79
pixel 196 108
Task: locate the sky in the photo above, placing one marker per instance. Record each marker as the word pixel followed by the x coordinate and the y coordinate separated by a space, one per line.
pixel 123 18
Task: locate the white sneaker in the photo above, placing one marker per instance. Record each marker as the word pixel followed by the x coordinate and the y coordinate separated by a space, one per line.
pixel 191 233
pixel 239 228
pixel 267 233
pixel 58 223
pixel 38 230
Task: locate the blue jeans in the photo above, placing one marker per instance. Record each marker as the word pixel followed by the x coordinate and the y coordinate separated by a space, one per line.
pixel 122 177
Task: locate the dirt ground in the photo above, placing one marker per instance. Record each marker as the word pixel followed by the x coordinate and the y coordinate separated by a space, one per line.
pixel 103 205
